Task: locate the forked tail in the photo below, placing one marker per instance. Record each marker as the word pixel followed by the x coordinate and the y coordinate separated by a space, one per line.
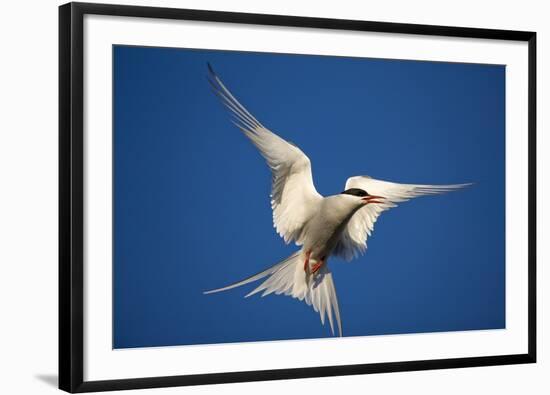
pixel 289 278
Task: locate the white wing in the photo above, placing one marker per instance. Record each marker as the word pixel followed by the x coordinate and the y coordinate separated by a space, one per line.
pixel 293 195
pixel 354 238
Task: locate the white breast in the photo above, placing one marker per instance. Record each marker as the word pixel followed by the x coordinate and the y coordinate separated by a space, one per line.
pixel 322 232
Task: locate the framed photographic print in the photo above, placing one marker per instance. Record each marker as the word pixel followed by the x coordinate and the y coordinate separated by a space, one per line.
pixel 219 170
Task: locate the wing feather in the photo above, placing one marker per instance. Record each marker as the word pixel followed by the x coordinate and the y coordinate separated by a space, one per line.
pixel 293 194
pixel 353 241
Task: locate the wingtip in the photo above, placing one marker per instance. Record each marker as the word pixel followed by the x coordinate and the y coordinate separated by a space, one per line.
pixel 210 69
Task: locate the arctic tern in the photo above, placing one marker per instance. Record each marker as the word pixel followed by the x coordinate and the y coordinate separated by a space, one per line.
pixel 322 226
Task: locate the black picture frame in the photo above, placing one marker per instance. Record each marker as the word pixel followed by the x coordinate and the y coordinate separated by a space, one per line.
pixel 71 181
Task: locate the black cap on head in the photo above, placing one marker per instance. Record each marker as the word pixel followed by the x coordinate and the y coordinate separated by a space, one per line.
pixel 355 192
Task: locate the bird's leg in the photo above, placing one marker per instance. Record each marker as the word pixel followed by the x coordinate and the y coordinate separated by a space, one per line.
pixel 315 268
pixel 306 262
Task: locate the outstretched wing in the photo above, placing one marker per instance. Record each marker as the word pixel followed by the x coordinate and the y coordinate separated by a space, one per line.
pixel 354 238
pixel 293 195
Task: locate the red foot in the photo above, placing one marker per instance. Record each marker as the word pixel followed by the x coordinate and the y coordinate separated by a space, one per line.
pixel 315 268
pixel 306 262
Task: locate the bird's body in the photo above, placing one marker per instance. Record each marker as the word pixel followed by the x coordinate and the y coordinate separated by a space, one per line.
pixel 323 231
pixel 336 225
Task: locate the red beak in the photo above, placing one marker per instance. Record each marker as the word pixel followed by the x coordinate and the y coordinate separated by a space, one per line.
pixel 373 199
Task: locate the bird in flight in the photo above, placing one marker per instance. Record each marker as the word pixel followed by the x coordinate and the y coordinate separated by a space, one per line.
pixel 323 226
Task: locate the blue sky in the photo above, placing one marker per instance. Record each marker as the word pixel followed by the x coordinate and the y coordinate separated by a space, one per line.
pixel 191 194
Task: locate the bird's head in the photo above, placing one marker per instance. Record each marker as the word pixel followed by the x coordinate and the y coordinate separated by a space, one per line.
pixel 361 197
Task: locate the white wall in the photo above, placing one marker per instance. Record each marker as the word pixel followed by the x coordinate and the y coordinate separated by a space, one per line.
pixel 28 194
